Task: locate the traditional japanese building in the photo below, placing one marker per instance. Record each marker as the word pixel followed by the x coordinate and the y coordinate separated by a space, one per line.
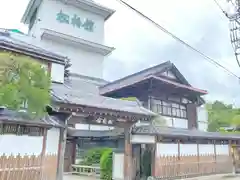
pixel 74 30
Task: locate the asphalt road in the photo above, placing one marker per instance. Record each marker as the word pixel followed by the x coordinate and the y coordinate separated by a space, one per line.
pixel 212 177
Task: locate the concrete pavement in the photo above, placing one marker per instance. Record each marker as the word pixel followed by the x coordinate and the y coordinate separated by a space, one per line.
pixel 211 177
pixel 74 177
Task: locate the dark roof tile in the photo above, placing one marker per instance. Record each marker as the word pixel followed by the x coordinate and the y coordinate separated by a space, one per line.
pixel 176 132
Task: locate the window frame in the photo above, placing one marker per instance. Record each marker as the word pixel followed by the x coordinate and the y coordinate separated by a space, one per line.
pixel 177 110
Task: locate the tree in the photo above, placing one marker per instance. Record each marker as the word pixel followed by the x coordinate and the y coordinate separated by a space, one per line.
pixel 222 115
pixel 23 83
pixel 159 121
pixel 236 120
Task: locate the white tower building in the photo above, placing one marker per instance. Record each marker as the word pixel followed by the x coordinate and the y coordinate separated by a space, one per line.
pixel 73 28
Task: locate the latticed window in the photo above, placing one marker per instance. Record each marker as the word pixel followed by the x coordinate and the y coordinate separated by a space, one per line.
pixel 169 108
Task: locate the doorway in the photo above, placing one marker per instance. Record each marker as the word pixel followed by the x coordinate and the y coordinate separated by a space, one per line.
pixel 146 161
pixel 68 156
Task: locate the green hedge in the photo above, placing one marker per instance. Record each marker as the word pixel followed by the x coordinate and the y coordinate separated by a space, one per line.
pixel 93 156
pixel 106 165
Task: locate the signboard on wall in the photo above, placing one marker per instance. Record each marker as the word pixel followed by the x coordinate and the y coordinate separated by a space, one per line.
pixel 75 20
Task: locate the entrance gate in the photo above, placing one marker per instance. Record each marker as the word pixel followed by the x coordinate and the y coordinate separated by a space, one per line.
pixel 68 156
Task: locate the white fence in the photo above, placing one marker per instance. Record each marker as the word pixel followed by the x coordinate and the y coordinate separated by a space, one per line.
pixel 82 170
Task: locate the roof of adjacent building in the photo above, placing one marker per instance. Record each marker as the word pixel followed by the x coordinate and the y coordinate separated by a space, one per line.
pixel 148 74
pixel 168 132
pixel 82 90
pixel 177 132
pixel 22 117
pixel 9 42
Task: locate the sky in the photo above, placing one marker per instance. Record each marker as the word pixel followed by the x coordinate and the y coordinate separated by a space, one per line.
pixel 140 45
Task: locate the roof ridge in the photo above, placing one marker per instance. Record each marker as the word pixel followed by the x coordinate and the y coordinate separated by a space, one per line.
pixel 169 63
pixel 87 77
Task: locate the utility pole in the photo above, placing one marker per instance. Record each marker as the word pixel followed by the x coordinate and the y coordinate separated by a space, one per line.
pixel 234 26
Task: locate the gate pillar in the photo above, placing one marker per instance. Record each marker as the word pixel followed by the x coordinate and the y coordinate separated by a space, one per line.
pixel 127 155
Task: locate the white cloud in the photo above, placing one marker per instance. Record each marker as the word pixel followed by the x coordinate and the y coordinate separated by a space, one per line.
pixel 11 12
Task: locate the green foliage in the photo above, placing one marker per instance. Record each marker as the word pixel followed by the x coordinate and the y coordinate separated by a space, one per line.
pixel 236 120
pixel 159 121
pixel 222 130
pixel 23 81
pixel 106 165
pixel 93 156
pixel 222 115
pixel 129 98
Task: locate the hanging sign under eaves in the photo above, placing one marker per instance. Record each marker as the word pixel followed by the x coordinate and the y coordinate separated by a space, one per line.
pixel 75 20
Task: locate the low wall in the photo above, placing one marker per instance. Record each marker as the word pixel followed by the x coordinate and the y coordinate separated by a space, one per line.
pixel 187 160
pixel 29 153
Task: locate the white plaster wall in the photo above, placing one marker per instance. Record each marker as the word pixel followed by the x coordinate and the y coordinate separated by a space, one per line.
pixel 222 149
pixel 52 142
pixel 205 149
pixel 202 114
pixel 202 118
pixel 169 121
pixel 57 72
pixel 20 145
pixel 176 122
pixel 143 139
pixel 47 13
pixel 166 149
pixel 202 126
pixel 118 166
pixel 188 149
pixel 83 62
pixel 93 127
pixel 180 123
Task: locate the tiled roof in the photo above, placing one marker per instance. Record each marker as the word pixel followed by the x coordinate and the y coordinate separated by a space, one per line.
pixel 179 85
pixel 147 74
pixel 11 116
pixel 176 132
pixel 8 41
pixel 85 92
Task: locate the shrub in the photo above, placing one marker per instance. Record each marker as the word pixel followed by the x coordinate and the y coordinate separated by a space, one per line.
pixel 93 156
pixel 106 165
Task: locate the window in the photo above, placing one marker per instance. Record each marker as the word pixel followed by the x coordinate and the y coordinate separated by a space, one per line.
pixel 169 109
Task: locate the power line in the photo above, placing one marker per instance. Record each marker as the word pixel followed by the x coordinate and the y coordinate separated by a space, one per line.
pixel 233 35
pixel 214 62
pixel 219 6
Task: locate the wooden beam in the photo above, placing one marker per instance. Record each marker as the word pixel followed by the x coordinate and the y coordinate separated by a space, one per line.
pixel 43 152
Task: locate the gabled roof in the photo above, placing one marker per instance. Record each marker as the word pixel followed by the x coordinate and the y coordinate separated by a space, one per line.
pixel 148 74
pixel 8 42
pixel 84 92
